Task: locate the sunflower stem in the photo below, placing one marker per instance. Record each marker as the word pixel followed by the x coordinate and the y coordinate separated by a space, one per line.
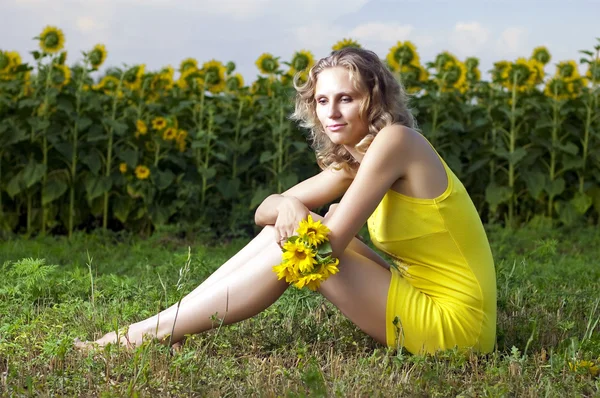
pixel 107 170
pixel 590 106
pixel 512 143
pixel 46 117
pixel 75 137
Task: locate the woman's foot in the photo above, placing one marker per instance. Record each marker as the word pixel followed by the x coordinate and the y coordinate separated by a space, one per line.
pixel 129 337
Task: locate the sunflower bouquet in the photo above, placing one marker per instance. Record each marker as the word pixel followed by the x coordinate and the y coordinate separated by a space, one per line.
pixel 306 259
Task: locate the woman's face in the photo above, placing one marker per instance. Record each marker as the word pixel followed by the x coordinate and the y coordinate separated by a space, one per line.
pixel 338 107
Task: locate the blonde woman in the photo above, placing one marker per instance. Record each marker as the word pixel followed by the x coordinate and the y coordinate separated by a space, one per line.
pixel 440 291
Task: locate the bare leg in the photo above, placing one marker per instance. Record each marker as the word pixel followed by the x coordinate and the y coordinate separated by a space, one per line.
pixel 360 291
pixel 234 296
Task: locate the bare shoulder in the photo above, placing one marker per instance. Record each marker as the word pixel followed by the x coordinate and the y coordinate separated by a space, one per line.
pixel 394 144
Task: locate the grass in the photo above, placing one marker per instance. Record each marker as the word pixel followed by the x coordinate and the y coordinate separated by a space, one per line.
pixel 53 290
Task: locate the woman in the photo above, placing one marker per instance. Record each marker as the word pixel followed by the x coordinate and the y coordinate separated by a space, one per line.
pixel 441 293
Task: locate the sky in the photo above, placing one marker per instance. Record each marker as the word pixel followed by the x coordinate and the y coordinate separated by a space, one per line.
pixel 164 32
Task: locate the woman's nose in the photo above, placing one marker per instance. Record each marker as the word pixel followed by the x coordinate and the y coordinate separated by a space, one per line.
pixel 334 111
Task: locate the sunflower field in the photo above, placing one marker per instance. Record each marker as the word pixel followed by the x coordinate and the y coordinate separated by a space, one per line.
pixel 198 146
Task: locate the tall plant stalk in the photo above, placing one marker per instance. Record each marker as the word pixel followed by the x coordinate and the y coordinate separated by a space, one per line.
pixel 46 117
pixel 512 137
pixel 74 144
pixel 591 105
pixel 109 148
pixel 553 152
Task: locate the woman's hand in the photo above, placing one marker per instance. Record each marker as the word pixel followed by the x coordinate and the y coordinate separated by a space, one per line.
pixel 289 214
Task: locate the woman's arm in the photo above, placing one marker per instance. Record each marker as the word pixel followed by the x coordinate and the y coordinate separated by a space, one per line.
pixel 384 163
pixel 309 194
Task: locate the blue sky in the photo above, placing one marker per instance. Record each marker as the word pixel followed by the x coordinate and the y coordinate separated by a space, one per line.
pixel 163 32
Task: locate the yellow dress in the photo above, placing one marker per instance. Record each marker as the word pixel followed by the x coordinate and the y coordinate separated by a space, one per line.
pixel 443 290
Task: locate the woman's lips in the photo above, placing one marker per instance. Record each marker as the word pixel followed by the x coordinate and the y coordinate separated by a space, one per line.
pixel 336 127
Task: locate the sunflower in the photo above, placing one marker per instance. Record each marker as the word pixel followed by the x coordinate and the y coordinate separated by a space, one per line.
pixel 315 231
pixel 97 56
pixel 444 60
pixel 567 69
pixel 141 128
pixel 52 40
pixel 187 78
pixel 163 80
pixel 4 62
pixel 519 75
pixel 235 82
pixel 123 168
pixel 214 75
pixel 170 134
pixel 541 54
pixel 557 88
pixel 403 53
pixel 142 172
pixel 302 60
pixel 188 63
pixel 61 75
pixel 159 123
pixel 592 368
pixel 498 71
pixel 267 64
pixel 181 140
pixel 133 77
pixel 538 69
pixel 593 72
pixel 311 281
pixel 299 256
pixel 283 271
pixel 109 84
pixel 471 63
pixel 345 43
pixel 576 86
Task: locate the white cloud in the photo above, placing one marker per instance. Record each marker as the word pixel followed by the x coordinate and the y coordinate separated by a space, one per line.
pixel 377 31
pixel 512 42
pixel 468 39
pixel 86 24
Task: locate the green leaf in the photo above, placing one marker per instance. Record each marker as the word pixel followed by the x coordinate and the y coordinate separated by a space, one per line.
pixel 536 182
pixel 288 180
pixel 14 187
pixel 32 173
pixel 572 163
pixel 477 165
pixel 325 249
pixel 93 161
pixel 566 212
pixel 495 195
pixel 97 185
pixel 581 202
pixel 121 207
pixel 556 187
pixel 129 156
pixel 594 193
pixel 229 188
pixel 54 189
pixel 260 194
pixel 569 147
pixel 162 179
pixel 516 156
pixel 266 156
pixel 118 127
pixel 84 123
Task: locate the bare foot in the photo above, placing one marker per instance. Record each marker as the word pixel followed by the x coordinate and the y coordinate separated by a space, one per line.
pixel 129 337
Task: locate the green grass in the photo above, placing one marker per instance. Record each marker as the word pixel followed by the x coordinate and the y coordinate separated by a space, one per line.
pixel 548 317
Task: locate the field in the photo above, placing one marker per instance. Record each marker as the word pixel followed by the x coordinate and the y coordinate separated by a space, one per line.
pixel 54 290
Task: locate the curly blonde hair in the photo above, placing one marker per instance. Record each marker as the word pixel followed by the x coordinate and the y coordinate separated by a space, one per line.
pixel 385 104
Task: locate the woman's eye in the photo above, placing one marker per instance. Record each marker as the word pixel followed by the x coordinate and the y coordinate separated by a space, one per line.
pixel 321 101
pixel 346 99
